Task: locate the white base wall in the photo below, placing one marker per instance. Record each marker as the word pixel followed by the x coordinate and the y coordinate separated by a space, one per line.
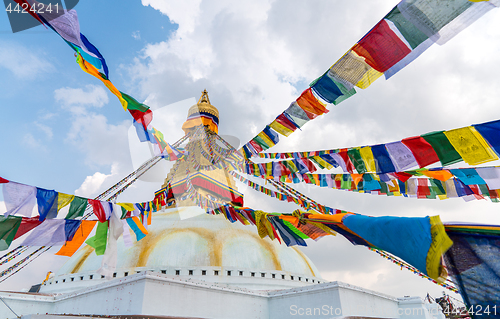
pixel 162 295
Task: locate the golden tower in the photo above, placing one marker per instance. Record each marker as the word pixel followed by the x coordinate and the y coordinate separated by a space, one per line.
pixel 201 177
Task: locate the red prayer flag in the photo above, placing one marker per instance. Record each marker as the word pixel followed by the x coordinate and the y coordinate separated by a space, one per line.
pixel 283 120
pixel 423 189
pixel 98 210
pixel 142 117
pixel 3 180
pixel 381 47
pixel 422 151
pixel 402 176
pixel 27 224
pixel 256 146
pixel 309 164
pixel 347 160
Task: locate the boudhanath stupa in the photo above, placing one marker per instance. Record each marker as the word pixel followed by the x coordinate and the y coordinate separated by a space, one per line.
pixel 195 265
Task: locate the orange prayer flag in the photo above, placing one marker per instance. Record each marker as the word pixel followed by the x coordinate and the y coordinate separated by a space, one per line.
pixel 291 219
pixel 309 103
pixel 81 234
pixel 140 225
pixel 337 218
pixel 442 175
pixel 356 178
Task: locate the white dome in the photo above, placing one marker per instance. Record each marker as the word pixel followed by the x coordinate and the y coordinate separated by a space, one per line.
pixel 198 247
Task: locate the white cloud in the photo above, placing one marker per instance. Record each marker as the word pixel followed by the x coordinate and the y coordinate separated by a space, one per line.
pixel 77 99
pixel 101 142
pixel 21 61
pixel 30 141
pixel 136 35
pixel 45 129
pixel 92 185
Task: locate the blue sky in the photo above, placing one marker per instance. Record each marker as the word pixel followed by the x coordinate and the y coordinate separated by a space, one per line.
pixel 29 105
pixel 61 129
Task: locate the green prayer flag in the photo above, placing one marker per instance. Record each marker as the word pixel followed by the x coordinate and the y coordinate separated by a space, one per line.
pixel 261 142
pixel 443 148
pixel 409 31
pixel 437 186
pixel 383 188
pixel 132 103
pixel 316 162
pixel 99 240
pixel 295 230
pixel 345 92
pixel 124 213
pixel 77 207
pixel 357 160
pixel 8 229
pixel 484 189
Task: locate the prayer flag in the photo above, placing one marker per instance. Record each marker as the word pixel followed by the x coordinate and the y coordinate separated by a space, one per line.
pixel 401 155
pixel 8 229
pixel 381 47
pixel 77 207
pixel 99 240
pixel 491 175
pixel 443 148
pixel 310 104
pixel 49 233
pixel 137 227
pixel 470 145
pixel 491 133
pixel 27 224
pixel 64 200
pixel 422 150
pixel 383 161
pixel 98 210
pixel 19 199
pixel 81 234
pixel 47 203
pixel 326 88
pixel 411 34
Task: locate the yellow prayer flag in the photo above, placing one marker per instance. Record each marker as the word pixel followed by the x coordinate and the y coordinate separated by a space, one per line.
pixel 322 162
pixel 128 206
pixel 393 188
pixel 63 200
pixel 440 244
pixel 283 130
pixel 470 145
pixel 351 68
pixel 371 76
pixel 367 156
pixel 266 139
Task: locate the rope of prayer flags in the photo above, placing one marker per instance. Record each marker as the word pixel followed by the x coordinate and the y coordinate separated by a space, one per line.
pixel 476 144
pixel 467 183
pixel 393 43
pixel 20 199
pixel 16 265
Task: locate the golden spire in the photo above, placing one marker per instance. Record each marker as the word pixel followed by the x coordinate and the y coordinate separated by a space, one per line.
pixel 204 97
